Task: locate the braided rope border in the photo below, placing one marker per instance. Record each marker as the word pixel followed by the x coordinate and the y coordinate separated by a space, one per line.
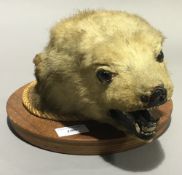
pixel 28 103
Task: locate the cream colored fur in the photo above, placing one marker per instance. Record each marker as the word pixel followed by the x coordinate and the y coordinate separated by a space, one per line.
pixel 117 41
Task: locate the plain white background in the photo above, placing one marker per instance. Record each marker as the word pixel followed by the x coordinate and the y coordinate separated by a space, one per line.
pixel 24 31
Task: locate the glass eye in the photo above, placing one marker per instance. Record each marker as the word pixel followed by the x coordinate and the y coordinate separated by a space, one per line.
pixel 104 76
pixel 160 57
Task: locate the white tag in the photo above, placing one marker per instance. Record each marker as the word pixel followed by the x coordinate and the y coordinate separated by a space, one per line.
pixel 71 130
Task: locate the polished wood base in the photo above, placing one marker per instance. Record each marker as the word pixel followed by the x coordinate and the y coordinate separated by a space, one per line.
pixel 101 138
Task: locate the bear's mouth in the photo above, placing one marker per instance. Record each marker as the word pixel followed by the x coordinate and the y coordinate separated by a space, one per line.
pixel 140 123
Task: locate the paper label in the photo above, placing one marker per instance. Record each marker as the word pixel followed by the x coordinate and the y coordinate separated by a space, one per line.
pixel 71 130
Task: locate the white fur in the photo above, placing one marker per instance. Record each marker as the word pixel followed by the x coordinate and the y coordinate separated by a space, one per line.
pixel 80 45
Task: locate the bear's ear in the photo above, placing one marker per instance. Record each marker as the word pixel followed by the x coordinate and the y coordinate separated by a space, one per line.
pixel 37 59
pixel 38 68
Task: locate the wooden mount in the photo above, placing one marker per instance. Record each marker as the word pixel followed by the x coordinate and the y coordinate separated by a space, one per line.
pixel 101 138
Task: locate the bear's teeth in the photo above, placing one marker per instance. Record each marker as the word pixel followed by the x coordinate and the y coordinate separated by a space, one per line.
pixel 137 128
pixel 146 129
pixel 146 133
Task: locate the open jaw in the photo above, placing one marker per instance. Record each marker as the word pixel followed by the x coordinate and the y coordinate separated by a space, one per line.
pixel 141 123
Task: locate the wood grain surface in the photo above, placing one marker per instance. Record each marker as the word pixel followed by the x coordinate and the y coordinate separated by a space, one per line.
pixel 101 138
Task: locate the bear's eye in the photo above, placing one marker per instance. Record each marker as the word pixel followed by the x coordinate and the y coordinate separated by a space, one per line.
pixel 104 76
pixel 160 57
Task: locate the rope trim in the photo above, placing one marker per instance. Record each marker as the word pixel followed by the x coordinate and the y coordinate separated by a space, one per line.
pixel 33 109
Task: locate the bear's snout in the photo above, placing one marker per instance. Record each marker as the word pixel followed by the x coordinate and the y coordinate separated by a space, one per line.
pixel 157 97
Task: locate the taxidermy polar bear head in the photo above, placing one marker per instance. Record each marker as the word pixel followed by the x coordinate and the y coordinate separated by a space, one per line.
pixel 107 66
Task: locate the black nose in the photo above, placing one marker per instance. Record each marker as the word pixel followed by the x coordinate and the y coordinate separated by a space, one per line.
pixel 157 97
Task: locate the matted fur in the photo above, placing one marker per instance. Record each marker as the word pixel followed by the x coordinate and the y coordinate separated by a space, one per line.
pixel 117 41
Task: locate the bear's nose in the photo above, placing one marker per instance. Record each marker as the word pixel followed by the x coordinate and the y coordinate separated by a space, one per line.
pixel 157 97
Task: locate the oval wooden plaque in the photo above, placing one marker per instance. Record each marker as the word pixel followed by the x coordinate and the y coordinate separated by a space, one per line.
pixel 101 138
